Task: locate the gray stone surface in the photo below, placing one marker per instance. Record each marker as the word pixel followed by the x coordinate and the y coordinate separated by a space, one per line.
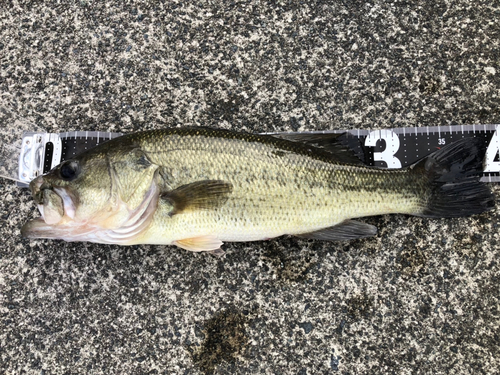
pixel 420 298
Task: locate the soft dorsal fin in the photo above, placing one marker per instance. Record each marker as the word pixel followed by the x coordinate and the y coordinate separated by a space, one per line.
pixel 336 144
pixel 347 230
pixel 206 194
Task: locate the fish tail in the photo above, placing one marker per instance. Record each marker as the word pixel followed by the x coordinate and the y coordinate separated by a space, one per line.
pixel 453 174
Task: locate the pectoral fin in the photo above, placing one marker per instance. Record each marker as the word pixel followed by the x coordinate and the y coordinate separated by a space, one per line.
pixel 207 194
pixel 347 230
pixel 202 243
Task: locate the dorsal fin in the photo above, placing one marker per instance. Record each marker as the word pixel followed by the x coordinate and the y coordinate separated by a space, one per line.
pixel 336 144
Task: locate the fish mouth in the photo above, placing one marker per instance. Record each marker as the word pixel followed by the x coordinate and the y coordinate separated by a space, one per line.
pixel 56 206
pixel 68 202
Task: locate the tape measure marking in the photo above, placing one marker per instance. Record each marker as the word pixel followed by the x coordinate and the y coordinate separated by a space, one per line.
pixel 387 148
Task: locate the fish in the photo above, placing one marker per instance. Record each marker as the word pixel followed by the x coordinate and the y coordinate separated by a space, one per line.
pixel 197 188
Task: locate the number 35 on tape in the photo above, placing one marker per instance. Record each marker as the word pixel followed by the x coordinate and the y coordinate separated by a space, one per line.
pixel 400 147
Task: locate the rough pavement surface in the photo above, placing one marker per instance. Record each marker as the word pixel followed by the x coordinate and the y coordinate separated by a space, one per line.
pixel 422 297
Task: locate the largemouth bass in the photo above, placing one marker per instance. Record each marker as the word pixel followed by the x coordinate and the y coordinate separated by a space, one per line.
pixel 197 188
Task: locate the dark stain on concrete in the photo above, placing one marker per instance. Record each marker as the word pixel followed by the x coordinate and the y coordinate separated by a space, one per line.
pixel 286 261
pixel 225 337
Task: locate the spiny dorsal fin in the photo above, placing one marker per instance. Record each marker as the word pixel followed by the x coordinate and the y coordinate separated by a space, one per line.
pixel 206 194
pixel 347 230
pixel 336 144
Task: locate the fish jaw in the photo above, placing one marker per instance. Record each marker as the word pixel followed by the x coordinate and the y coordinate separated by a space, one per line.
pixel 38 228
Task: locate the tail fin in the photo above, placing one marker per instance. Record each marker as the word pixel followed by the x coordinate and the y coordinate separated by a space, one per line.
pixel 453 173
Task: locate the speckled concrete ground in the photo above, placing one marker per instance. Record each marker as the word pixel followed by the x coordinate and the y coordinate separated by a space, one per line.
pixel 420 298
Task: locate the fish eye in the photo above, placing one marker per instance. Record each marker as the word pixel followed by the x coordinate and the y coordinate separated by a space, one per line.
pixel 69 170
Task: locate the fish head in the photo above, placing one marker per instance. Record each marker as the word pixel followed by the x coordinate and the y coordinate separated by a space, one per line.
pixel 72 197
pixel 106 195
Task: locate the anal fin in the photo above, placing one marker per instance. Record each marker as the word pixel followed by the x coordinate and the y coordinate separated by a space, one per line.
pixel 347 230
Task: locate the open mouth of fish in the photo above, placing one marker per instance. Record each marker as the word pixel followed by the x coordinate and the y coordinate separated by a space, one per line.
pixel 54 203
pixel 56 206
